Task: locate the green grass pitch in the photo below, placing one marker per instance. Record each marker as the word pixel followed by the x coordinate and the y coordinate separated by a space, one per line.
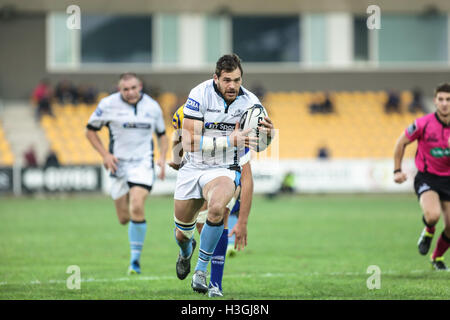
pixel 304 247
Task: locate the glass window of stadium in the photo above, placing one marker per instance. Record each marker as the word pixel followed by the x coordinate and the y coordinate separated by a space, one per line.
pixel 116 39
pixel 360 39
pixel 266 39
pixel 408 38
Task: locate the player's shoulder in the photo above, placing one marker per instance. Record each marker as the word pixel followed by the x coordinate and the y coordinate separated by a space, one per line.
pixel 149 102
pixel 109 101
pixel 425 119
pixel 200 95
pixel 203 87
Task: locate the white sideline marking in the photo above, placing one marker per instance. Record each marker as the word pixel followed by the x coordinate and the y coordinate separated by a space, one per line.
pixel 160 278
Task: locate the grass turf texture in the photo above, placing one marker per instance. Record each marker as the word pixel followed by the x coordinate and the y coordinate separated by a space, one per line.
pixel 307 247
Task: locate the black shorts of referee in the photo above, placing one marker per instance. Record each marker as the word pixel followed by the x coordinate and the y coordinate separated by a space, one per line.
pixel 425 181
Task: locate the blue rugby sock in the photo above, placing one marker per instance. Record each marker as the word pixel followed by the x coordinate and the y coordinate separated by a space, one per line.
pixel 185 247
pixel 218 261
pixel 136 236
pixel 209 238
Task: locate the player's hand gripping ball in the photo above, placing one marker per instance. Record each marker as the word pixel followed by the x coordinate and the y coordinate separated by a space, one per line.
pixel 252 118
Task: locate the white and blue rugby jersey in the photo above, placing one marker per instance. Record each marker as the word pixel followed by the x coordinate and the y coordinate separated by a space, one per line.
pixel 206 103
pixel 130 127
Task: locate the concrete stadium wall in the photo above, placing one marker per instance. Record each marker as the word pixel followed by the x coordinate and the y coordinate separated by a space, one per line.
pixel 22 55
pixel 234 6
pixel 23 64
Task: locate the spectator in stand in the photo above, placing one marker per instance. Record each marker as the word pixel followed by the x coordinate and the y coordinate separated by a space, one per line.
pixel 320 105
pixel 323 153
pixel 259 91
pixel 66 92
pixel 314 107
pixel 393 102
pixel 417 103
pixel 87 94
pixel 30 159
pixel 52 160
pixel 42 96
pixel 327 105
pixel 155 92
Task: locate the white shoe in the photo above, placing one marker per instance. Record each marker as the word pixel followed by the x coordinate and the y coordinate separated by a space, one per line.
pixel 199 282
pixel 214 292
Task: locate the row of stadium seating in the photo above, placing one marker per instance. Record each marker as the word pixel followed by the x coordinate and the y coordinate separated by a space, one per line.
pixel 6 155
pixel 358 127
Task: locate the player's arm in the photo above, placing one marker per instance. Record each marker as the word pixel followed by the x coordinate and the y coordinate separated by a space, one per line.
pixel 163 145
pixel 193 139
pixel 192 134
pixel 177 150
pixel 240 229
pixel 399 151
pixel 109 161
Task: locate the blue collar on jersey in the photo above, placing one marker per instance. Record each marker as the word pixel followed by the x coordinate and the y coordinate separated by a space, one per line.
pixel 241 93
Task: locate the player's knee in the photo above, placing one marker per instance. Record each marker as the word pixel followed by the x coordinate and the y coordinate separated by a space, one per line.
pixel 432 216
pixel 124 220
pixel 137 208
pixel 215 212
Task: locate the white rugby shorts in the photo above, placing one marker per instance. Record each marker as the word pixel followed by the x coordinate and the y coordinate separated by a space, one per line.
pixel 191 180
pixel 138 172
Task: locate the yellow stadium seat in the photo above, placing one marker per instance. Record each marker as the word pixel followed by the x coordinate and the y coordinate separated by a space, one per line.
pixel 358 128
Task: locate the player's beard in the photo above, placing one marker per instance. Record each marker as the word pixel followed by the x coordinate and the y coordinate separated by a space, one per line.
pixel 132 100
pixel 228 99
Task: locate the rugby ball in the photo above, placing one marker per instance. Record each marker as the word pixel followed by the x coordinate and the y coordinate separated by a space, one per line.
pixel 251 119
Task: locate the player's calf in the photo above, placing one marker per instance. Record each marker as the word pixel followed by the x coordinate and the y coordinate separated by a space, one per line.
pixel 124 219
pixel 136 235
pixel 184 236
pixel 209 238
pixel 121 204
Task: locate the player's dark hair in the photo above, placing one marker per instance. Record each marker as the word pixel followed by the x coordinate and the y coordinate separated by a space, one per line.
pixel 443 87
pixel 228 63
pixel 128 75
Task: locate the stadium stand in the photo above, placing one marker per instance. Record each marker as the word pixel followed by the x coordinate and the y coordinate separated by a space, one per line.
pixel 358 128
pixel 6 155
pixel 65 131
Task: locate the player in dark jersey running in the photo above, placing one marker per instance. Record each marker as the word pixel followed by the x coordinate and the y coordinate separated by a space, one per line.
pixel 432 182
